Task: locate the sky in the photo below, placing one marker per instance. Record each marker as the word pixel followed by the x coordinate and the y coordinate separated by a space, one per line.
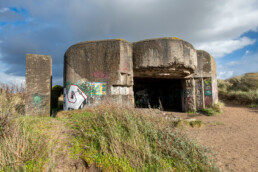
pixel 228 30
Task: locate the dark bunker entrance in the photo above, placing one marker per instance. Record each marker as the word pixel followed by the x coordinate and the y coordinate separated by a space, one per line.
pixel 161 93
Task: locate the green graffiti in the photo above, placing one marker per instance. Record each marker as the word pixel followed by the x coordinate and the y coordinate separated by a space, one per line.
pixel 68 84
pixel 90 88
pixel 95 88
pixel 207 93
pixel 207 81
pixel 37 99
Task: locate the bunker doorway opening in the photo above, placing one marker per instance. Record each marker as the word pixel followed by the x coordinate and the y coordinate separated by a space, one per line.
pixel 164 94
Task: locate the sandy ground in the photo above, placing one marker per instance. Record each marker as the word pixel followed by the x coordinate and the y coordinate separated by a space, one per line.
pixel 232 134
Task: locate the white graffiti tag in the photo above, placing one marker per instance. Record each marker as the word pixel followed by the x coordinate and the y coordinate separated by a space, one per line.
pixel 75 99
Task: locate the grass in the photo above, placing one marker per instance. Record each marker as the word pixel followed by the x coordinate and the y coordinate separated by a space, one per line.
pixel 21 148
pixel 240 89
pixel 184 123
pixel 253 105
pixel 215 109
pixel 112 138
pixel 240 97
pixel 118 139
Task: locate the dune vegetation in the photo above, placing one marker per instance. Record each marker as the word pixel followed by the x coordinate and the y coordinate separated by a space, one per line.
pixel 240 89
pixel 107 137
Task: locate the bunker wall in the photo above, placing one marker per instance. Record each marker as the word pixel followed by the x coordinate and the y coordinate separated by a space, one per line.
pixel 164 57
pixel 188 95
pixel 38 84
pixel 98 70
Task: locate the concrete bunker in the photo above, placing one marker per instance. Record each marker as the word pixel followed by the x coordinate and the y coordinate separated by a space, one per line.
pixel 166 73
pixel 161 67
pixel 157 73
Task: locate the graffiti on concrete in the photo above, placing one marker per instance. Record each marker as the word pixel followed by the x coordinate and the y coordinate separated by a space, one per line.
pixel 37 99
pixel 198 85
pixel 188 93
pixel 208 101
pixel 199 94
pixel 188 98
pixel 214 90
pixel 120 90
pixel 208 92
pixel 102 75
pixel 207 84
pixel 75 98
pixel 82 93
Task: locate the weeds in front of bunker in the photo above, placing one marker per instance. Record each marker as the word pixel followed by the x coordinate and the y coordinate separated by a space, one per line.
pixel 119 139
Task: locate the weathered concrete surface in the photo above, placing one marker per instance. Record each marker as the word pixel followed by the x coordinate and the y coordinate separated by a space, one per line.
pixel 38 84
pixel 199 93
pixel 164 58
pixel 206 71
pixel 188 97
pixel 206 65
pixel 98 70
pixel 151 72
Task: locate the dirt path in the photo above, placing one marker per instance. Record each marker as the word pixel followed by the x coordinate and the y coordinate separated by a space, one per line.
pixel 234 137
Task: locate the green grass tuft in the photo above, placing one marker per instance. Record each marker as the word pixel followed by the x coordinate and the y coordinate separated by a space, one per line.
pixel 184 123
pixel 215 109
pixel 118 139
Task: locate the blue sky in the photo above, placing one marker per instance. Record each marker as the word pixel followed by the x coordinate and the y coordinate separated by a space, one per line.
pixel 228 30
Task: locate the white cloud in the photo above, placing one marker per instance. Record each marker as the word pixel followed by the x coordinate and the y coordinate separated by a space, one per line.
pixel 223 47
pixel 247 64
pixel 225 74
pixel 247 52
pixel 232 63
pixel 2 10
pixel 11 79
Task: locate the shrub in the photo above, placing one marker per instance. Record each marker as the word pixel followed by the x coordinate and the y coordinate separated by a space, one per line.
pixel 118 139
pixel 21 149
pixel 240 89
pixel 215 109
pixel 12 100
pixel 113 138
pixel 240 97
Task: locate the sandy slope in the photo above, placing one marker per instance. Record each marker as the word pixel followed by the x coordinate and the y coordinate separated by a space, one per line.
pixel 235 138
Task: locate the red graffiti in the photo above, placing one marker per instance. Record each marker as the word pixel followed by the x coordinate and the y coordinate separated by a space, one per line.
pixel 208 101
pixel 189 100
pixel 102 75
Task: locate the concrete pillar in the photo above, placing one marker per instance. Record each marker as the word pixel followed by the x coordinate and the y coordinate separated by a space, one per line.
pixel 188 97
pixel 38 85
pixel 208 92
pixel 199 93
pixel 215 98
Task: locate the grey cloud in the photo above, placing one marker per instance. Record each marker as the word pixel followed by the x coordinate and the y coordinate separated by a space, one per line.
pixel 58 24
pixel 49 41
pixel 10 16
